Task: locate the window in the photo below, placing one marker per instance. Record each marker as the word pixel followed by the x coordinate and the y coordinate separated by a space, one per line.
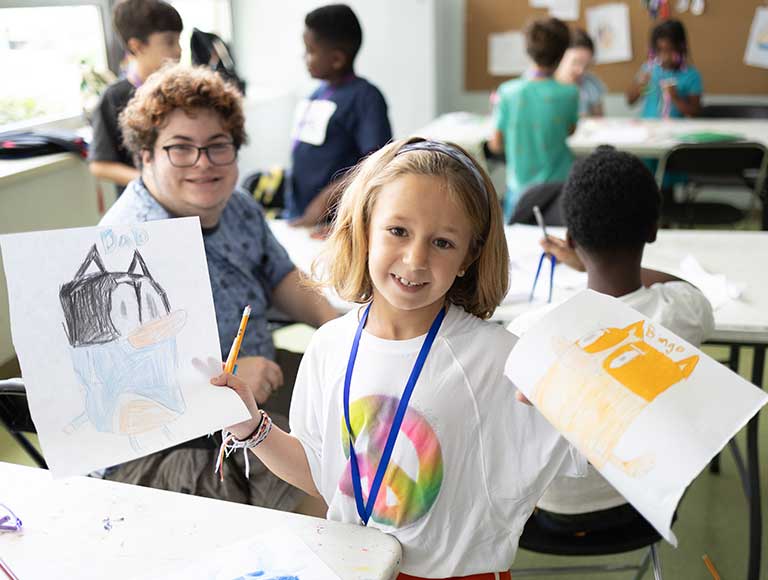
pixel 207 15
pixel 48 48
pixel 44 50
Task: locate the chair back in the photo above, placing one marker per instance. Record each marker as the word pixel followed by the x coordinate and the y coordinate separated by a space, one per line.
pixel 548 197
pixel 15 417
pixel 735 111
pixel 707 160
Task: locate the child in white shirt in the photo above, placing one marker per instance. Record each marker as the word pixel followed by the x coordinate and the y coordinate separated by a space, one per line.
pixel 611 208
pixel 418 241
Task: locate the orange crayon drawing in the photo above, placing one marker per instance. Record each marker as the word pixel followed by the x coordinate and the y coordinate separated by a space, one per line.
pixel 599 385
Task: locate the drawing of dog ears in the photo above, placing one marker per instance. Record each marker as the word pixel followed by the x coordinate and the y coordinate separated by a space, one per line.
pixel 687 365
pixel 139 261
pixel 93 257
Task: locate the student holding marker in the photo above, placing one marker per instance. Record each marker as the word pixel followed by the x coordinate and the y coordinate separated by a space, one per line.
pixel 186 125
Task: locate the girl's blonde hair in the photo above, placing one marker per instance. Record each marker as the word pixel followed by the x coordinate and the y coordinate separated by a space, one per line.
pixel 343 265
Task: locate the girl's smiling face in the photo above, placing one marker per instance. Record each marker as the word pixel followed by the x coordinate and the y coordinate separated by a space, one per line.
pixel 418 243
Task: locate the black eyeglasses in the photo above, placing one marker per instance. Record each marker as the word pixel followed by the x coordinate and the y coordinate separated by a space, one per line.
pixel 181 155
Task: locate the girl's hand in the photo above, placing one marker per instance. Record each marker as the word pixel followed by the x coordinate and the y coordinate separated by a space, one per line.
pixel 245 428
pixel 562 252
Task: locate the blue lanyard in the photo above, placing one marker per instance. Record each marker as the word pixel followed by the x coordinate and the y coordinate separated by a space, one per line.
pixel 363 510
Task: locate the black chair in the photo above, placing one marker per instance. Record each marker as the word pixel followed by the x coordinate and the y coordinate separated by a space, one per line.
pixel 636 535
pixel 548 196
pixel 727 163
pixel 14 416
pixel 735 111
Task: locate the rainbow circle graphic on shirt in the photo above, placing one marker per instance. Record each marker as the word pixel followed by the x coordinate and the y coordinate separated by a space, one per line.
pixel 401 499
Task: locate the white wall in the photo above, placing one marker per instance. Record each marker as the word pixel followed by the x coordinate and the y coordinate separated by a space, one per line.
pixel 398 56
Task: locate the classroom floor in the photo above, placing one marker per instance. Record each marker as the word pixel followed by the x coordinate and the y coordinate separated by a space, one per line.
pixel 712 515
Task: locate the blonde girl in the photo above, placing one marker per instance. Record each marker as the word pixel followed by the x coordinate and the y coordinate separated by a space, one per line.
pixel 402 418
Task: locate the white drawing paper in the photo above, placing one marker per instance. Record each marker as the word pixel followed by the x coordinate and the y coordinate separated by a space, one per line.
pixel 279 555
pixel 647 409
pixel 564 9
pixel 116 335
pixel 506 53
pixel 608 25
pixel 757 45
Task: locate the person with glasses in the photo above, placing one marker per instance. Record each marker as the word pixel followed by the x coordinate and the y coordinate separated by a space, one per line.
pixel 184 127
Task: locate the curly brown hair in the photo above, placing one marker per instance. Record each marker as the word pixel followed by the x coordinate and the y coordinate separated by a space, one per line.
pixel 179 87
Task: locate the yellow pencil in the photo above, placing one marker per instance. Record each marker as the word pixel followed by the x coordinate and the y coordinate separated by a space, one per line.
pixel 711 567
pixel 232 358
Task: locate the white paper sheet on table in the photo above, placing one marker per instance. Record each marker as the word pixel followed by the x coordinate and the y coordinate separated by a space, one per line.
pixel 116 336
pixel 279 555
pixel 756 53
pixel 646 408
pixel 608 25
pixel 506 53
pixel 716 287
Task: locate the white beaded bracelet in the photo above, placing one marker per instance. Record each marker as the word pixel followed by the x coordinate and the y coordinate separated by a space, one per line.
pixel 230 444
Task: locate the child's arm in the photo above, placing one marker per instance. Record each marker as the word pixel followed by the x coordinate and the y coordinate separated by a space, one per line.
pixel 496 143
pixel 689 106
pixel 282 453
pixel 120 173
pixel 637 87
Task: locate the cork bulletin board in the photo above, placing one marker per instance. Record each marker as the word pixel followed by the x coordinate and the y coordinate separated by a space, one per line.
pixel 716 42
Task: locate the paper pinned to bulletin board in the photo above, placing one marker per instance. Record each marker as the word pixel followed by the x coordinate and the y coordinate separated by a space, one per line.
pixel 608 25
pixel 647 409
pixel 757 44
pixel 564 9
pixel 116 335
pixel 506 53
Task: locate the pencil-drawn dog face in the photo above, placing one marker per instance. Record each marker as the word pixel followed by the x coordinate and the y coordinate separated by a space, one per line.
pixel 122 333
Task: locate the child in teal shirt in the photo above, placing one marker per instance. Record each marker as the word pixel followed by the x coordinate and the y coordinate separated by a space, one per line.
pixel 670 84
pixel 535 114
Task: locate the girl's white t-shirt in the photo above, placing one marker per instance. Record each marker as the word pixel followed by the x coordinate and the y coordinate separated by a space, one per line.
pixel 470 462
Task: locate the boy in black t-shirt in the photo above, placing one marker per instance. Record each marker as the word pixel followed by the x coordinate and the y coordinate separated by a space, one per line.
pixel 150 32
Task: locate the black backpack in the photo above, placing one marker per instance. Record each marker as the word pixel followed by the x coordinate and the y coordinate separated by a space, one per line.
pixel 21 144
pixel 211 51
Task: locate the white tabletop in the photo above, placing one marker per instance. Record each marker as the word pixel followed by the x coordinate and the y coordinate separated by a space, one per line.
pixel 643 137
pixel 736 255
pixel 64 535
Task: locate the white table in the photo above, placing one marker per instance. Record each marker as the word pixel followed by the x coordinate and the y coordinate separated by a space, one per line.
pixel 64 535
pixel 734 254
pixel 643 137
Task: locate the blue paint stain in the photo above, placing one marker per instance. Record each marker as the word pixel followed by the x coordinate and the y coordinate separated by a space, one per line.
pixel 259 573
pixel 254 574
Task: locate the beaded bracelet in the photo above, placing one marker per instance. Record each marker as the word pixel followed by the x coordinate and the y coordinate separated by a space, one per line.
pixel 230 444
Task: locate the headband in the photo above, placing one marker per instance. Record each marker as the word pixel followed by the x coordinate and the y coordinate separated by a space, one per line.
pixel 452 152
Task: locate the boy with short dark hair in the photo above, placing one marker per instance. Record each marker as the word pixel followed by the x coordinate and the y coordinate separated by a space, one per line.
pixel 344 120
pixel 535 114
pixel 611 206
pixel 149 30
